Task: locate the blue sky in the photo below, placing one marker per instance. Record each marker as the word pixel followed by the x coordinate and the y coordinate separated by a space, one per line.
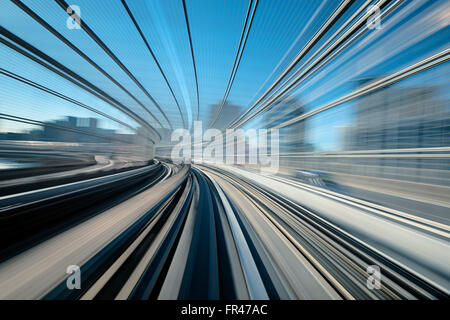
pixel 279 31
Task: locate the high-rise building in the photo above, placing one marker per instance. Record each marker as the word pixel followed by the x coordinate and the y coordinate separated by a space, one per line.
pixel 400 117
pixel 292 137
pixel 228 114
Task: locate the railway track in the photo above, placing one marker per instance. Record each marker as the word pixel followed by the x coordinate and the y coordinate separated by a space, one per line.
pixel 182 232
pixel 340 258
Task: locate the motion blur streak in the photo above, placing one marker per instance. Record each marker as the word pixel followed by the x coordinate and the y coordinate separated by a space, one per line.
pixel 357 208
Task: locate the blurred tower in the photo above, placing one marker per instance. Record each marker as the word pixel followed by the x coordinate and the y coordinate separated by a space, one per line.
pixel 399 117
pixel 93 122
pixel 292 137
pixel 228 114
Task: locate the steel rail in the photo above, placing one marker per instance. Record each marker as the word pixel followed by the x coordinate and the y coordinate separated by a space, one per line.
pixel 36 85
pixel 188 28
pixel 285 85
pixel 344 5
pixel 138 28
pixel 47 26
pixel 69 75
pixel 237 58
pixel 63 4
